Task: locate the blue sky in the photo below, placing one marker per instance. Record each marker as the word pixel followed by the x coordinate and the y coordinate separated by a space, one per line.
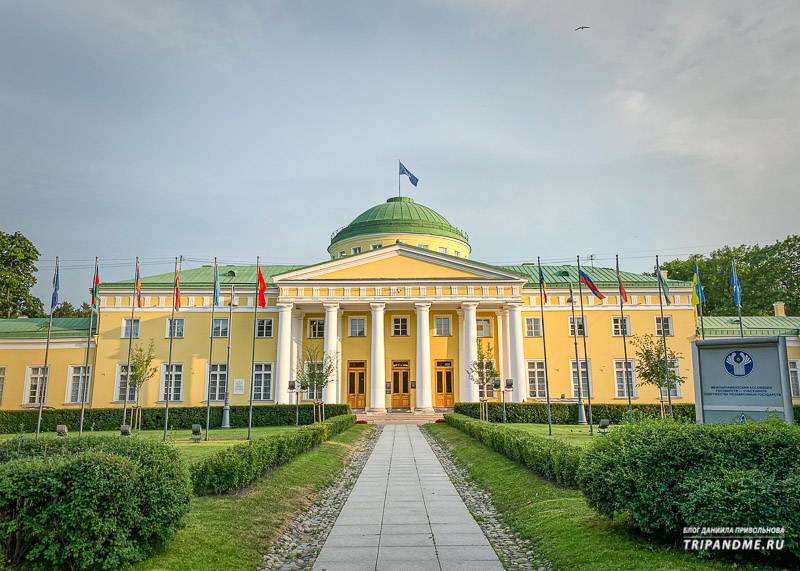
pixel 243 129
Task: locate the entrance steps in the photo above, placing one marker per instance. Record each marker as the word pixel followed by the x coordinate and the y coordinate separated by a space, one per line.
pixel 400 416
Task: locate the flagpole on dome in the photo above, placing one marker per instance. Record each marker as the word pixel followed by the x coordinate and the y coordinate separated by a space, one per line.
pixel 41 386
pixel 542 301
pixel 663 290
pixel 86 377
pixel 585 353
pixel 214 303
pixel 136 299
pixel 169 374
pixel 623 297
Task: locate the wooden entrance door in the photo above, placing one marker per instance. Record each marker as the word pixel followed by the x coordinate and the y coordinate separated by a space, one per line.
pixel 400 385
pixel 356 384
pixel 444 384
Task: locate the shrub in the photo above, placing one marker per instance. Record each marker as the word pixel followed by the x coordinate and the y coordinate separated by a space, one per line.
pixel 237 466
pixel 552 459
pixel 567 413
pixel 89 502
pixel 666 475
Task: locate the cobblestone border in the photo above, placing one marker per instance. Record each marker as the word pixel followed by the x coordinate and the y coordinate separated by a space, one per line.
pixel 517 553
pixel 300 542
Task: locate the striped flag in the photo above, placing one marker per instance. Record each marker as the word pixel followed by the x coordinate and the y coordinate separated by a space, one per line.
pixel 216 283
pixel 587 281
pixel 622 291
pixel 664 286
pixel 95 284
pixel 137 285
pixel 698 297
pixel 542 285
pixel 177 298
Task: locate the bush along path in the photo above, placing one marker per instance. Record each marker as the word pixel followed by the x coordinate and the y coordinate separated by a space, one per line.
pixel 302 538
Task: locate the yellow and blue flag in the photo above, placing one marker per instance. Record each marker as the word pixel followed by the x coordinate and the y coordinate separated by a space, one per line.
pixel 698 297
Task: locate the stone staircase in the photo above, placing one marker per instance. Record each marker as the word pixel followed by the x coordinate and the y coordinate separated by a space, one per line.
pixel 400 416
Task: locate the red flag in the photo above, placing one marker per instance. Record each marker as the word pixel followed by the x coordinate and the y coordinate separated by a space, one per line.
pixel 137 285
pixel 177 288
pixel 262 289
pixel 622 291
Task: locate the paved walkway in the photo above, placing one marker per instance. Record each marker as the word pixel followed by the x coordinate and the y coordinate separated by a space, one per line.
pixel 404 513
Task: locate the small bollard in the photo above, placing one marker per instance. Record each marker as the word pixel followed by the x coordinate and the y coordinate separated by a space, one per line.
pixel 603 426
pixel 125 430
pixel 61 430
pixel 196 430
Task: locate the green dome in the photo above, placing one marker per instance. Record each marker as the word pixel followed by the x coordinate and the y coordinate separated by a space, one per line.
pixel 399 215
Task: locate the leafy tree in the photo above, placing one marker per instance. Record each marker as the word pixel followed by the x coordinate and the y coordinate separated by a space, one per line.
pixel 314 372
pixel 18 257
pixel 650 364
pixel 66 309
pixel 141 372
pixel 483 371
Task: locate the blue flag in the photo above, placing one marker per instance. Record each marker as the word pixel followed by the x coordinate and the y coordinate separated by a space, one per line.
pixel 54 300
pixel 698 296
pixel 736 285
pixel 216 285
pixel 404 171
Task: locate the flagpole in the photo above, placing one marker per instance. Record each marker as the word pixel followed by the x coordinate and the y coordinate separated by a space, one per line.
pixel 581 413
pixel 84 388
pixel 253 357
pixel 544 348
pixel 585 354
pixel 226 407
pixel 624 325
pixel 700 300
pixel 41 389
pixel 737 296
pixel 130 346
pixel 398 178
pixel 664 338
pixel 169 373
pixel 211 349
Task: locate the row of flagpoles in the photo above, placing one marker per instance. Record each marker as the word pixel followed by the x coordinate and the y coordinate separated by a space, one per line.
pixel 698 298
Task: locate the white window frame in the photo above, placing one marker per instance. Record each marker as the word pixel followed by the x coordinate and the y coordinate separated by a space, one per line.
pixel 586 366
pixel 537 387
pixel 676 390
pixel 376 246
pixel 318 391
pixel 342 253
pixel 457 253
pixel 442 250
pixel 581 325
pixel 616 329
pixel 424 246
pixel 218 370
pixel 794 377
pixel 83 381
pixel 26 396
pixel 118 385
pixel 533 327
pixel 180 324
pixel 436 332
pixel 3 369
pixel 227 327
pixel 265 325
pixel 317 332
pixel 163 386
pixel 396 321
pixel 670 325
pixel 487 331
pixel 351 321
pixel 267 372
pixel 136 327
pixel 355 250
pixel 621 389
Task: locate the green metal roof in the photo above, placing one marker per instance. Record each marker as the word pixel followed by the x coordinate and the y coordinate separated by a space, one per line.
pixel 756 326
pixel 36 327
pixel 204 276
pixel 555 276
pixel 402 215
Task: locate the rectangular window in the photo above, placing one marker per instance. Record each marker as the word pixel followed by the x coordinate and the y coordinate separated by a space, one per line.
pixel 171 382
pixel 675 391
pixel 37 379
pixel 314 393
pixel 424 246
pixel 667 325
pixel 621 382
pixel 794 378
pixel 130 328
pixel 217 381
pixel 262 381
pixel 358 327
pixel 442 250
pixel 78 384
pixel 581 328
pixel 400 326
pixel 122 384
pixel 342 254
pixel 376 246
pixel 533 327
pixel 616 327
pixel 457 254
pixel 2 382
pixel 442 325
pixel 175 328
pixel 586 379
pixel 264 327
pixel 484 327
pixel 219 327
pixel 536 380
pixel 355 250
pixel 316 328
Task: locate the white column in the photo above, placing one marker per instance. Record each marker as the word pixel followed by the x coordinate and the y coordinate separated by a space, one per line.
pixel 463 375
pixel 330 348
pixel 297 346
pixel 377 364
pixel 469 387
pixel 424 388
pixel 506 346
pixel 517 355
pixel 502 366
pixel 284 366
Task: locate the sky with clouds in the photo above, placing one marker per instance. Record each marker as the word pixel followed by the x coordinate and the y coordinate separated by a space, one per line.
pixel 238 129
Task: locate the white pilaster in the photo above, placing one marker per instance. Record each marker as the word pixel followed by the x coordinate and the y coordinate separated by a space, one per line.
pixel 377 365
pixel 330 348
pixel 506 346
pixel 469 387
pixel 284 365
pixel 463 375
pixel 424 388
pixel 517 355
pixel 297 345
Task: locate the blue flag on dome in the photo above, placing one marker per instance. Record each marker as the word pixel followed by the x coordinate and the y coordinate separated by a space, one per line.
pixel 404 171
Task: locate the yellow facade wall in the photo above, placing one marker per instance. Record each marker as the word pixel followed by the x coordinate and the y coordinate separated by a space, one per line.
pixel 433 243
pixel 399 267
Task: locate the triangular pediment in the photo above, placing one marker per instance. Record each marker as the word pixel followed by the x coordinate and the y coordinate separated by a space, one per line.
pixel 398 262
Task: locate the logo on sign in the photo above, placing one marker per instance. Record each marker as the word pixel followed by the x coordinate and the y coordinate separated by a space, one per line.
pixel 738 364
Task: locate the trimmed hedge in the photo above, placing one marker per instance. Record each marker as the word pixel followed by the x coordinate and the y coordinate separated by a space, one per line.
pixel 552 459
pixel 21 421
pixel 665 476
pixel 235 467
pixel 101 502
pixel 567 413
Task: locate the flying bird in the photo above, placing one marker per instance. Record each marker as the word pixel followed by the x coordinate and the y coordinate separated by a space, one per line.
pixel 582 28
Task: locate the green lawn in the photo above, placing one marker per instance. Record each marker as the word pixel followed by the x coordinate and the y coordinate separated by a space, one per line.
pixel 567 533
pixel 572 433
pixel 233 531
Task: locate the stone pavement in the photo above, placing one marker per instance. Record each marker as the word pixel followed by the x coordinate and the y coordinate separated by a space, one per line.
pixel 404 513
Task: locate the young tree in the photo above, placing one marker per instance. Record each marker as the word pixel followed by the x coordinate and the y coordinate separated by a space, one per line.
pixel 483 373
pixel 18 257
pixel 650 365
pixel 314 372
pixel 141 371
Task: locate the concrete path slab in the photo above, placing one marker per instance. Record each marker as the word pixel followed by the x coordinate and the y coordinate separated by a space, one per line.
pixel 404 513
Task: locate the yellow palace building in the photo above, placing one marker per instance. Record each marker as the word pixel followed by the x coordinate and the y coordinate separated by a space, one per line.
pixel 400 305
